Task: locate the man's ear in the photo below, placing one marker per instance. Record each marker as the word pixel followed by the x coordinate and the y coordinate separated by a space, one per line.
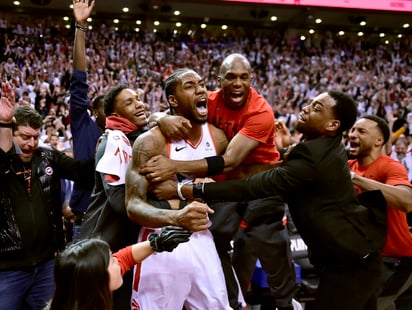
pixel 172 101
pixel 379 141
pixel 333 125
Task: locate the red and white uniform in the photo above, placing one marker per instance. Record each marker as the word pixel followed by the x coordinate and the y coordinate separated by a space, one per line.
pixel 191 275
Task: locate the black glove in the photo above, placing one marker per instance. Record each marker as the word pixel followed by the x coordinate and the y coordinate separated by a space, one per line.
pixel 169 238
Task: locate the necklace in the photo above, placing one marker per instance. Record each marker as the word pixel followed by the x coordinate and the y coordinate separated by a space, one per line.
pixel 26 173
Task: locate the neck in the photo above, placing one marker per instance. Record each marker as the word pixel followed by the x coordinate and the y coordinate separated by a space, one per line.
pixel 369 158
pixel 195 133
pixel 400 156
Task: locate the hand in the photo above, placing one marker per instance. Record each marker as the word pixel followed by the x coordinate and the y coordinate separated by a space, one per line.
pixel 174 127
pixel 204 180
pixel 7 103
pixel 169 238
pixel 283 136
pixel 194 216
pixel 158 168
pixel 82 10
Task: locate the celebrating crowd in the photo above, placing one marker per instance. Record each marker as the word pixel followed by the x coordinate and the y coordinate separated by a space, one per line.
pixel 144 143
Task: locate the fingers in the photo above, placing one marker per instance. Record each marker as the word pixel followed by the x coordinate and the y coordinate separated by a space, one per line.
pixel 210 211
pixel 199 227
pixel 200 208
pixel 7 92
pixel 186 123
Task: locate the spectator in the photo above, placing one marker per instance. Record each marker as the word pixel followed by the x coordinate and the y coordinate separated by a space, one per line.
pixel 30 184
pixel 402 154
pixel 85 132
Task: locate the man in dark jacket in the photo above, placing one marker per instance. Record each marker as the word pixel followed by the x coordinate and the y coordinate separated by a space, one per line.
pixel 85 131
pixel 31 220
pixel 343 241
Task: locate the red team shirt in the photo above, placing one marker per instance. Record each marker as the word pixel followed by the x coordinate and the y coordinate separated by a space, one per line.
pixel 254 120
pixel 125 259
pixel 389 171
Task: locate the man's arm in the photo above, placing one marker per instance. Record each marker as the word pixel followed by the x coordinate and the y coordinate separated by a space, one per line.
pixel 81 11
pixel 160 168
pixel 193 217
pixel 85 131
pixel 7 103
pixel 398 197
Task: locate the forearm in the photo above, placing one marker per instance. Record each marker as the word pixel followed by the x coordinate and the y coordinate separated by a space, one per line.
pixel 233 190
pixel 79 53
pixel 196 167
pixel 141 250
pixel 398 197
pixel 147 215
pixel 6 139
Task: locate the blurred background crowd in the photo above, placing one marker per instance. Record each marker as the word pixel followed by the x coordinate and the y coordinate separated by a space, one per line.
pixel 288 72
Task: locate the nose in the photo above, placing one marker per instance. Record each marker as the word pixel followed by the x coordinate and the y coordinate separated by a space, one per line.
pixel 351 133
pixel 200 88
pixel 237 81
pixel 139 103
pixel 305 109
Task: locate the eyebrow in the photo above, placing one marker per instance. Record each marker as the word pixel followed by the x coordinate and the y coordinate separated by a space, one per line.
pixel 193 82
pixel 318 102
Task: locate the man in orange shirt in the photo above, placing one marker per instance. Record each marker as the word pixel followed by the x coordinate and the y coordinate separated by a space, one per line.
pixel 248 122
pixel 373 170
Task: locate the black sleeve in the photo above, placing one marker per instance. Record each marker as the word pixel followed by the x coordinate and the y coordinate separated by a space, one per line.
pixel 82 172
pixel 295 174
pixel 115 195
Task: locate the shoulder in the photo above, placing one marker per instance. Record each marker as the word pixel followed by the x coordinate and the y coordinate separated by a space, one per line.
pixel 48 153
pixel 257 98
pixel 387 161
pixel 257 105
pixel 218 135
pixel 213 95
pixel 151 139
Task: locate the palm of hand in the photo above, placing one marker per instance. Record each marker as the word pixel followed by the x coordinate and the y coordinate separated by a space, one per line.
pixel 82 10
pixel 7 103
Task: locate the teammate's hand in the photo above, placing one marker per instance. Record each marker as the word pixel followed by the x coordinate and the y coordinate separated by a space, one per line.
pixel 169 238
pixel 174 126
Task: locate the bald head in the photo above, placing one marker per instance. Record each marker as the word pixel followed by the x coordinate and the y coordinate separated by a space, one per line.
pixel 229 60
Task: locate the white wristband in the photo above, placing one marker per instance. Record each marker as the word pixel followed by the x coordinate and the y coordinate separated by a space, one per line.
pixel 179 191
pixel 352 174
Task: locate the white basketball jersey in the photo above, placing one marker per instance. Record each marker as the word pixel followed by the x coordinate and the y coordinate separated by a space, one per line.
pixel 184 150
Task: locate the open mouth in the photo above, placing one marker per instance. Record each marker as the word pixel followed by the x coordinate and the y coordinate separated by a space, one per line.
pixel 201 107
pixel 236 96
pixel 353 145
pixel 140 114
